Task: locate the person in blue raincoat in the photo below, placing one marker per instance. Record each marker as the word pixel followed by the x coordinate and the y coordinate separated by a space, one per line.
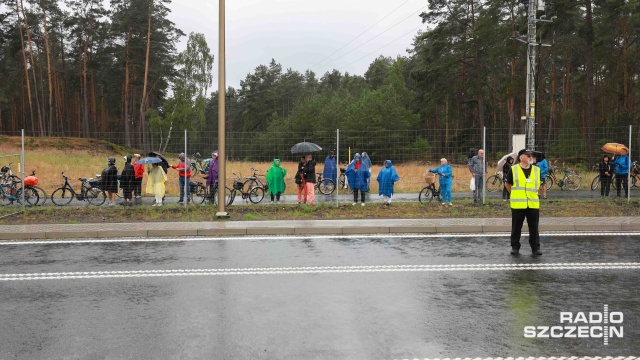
pixel 446 180
pixel 357 174
pixel 386 178
pixel 367 161
pixel 330 167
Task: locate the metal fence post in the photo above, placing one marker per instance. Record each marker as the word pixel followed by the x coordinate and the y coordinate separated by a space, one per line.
pixel 186 179
pixel 337 186
pixel 629 170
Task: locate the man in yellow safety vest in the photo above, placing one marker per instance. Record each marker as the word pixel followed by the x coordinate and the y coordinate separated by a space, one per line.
pixel 523 182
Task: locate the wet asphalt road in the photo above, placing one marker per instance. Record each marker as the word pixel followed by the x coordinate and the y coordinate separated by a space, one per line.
pixel 345 312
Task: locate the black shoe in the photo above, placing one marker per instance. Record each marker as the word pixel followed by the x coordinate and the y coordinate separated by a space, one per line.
pixel 180 201
pixel 515 251
pixel 536 252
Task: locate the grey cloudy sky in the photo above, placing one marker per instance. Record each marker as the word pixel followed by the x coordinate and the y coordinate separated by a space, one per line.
pixel 300 34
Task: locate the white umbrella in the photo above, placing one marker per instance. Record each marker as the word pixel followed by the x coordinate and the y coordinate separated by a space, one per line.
pixel 504 159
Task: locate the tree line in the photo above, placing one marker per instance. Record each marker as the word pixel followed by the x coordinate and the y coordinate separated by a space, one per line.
pixel 76 67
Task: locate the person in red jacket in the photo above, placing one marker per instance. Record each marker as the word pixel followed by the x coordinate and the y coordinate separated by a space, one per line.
pixel 139 172
pixel 184 176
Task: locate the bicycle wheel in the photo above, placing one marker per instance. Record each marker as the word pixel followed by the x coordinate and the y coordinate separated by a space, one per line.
pixel 595 183
pixel 425 196
pixel 548 183
pixel 326 186
pixel 573 182
pixel 613 182
pixel 229 195
pixel 42 194
pixel 96 196
pixel 31 196
pixel 494 183
pixel 199 195
pixel 62 196
pixel 256 195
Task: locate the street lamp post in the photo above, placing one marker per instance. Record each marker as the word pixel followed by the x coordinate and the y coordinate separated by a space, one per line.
pixel 222 154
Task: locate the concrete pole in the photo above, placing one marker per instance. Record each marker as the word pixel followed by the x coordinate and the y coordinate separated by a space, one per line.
pixel 531 79
pixel 222 153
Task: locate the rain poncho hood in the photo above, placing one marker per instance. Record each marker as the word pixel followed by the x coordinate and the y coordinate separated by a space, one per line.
pixel 275 178
pixel 386 178
pixel 358 178
pixel 366 160
pixel 330 168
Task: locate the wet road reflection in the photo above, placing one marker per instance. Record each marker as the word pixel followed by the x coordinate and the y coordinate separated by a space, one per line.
pixel 381 315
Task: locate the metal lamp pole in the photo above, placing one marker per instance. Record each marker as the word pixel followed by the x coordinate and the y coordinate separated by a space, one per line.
pixel 221 114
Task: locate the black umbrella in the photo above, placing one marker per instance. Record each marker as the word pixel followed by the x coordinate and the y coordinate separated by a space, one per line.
pixel 154 154
pixel 539 155
pixel 305 148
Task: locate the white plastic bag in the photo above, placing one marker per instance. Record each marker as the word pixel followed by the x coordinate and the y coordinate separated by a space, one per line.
pixel 472 184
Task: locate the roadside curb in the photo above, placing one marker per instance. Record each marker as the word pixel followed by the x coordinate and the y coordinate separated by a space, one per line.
pixel 310 227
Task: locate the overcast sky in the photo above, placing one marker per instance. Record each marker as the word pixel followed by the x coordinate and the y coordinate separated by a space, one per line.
pixel 301 34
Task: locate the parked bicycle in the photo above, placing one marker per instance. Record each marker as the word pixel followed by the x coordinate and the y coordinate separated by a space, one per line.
pixel 494 182
pixel 200 194
pixel 635 177
pixel 429 192
pixel 11 181
pixel 10 192
pixel 325 186
pixel 571 179
pixel 88 192
pixel 199 166
pixel 254 194
pixel 255 181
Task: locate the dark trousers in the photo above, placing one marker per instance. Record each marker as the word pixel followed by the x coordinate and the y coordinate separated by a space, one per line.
pixel 622 181
pixel 517 220
pixel 137 187
pixel 276 196
pixel 212 191
pixel 355 195
pixel 127 193
pixel 605 185
pixel 505 193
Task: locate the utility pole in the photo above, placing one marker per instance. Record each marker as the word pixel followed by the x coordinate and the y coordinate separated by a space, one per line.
pixel 531 76
pixel 532 53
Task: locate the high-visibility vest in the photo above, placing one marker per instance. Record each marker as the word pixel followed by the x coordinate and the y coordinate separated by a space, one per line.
pixel 525 194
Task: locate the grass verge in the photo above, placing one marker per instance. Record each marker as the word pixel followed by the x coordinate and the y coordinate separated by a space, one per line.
pixel 494 208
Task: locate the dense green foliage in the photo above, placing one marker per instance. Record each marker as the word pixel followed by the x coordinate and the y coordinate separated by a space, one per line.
pixel 464 72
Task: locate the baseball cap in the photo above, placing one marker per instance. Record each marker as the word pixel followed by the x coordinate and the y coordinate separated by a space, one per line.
pixel 525 152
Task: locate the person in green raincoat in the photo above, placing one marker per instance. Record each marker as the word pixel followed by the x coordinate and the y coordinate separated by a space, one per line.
pixel 275 179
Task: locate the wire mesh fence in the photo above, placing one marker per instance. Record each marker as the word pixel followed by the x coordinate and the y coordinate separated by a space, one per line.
pixel 412 152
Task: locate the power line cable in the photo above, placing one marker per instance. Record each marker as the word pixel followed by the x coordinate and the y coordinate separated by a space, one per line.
pixel 366 42
pixel 378 49
pixel 362 33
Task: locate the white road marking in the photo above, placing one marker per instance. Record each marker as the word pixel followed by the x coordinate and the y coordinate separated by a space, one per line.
pixel 316 270
pixel 306 237
pixel 537 358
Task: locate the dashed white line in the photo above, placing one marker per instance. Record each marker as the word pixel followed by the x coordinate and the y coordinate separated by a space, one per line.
pixel 536 358
pixel 316 270
pixel 307 237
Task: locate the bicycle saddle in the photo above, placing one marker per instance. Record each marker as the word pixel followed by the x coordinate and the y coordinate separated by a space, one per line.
pixel 82 179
